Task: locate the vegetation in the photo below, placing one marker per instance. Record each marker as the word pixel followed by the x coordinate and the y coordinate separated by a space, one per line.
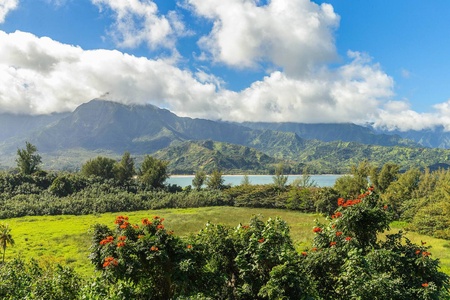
pixel 254 261
pixel 28 160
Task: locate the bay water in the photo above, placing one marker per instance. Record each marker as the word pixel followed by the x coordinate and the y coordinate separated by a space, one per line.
pixel 319 180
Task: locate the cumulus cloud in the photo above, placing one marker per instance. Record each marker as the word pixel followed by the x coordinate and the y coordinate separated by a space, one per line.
pixel 5 7
pixel 296 35
pixel 397 115
pixel 40 75
pixel 138 22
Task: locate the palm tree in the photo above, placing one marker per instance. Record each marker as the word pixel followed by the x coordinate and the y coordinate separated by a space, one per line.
pixel 5 239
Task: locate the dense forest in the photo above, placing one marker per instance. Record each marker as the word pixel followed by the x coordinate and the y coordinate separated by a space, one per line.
pixel 140 259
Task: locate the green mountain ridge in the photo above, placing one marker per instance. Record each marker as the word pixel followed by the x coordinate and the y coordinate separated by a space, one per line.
pixel 107 128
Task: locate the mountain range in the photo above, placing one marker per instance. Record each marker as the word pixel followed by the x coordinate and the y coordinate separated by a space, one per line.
pixel 107 128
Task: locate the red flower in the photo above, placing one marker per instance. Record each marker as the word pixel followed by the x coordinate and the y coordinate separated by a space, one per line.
pixel 348 239
pixel 425 253
pixel 338 233
pixel 314 249
pixel 261 240
pixel 110 260
pixel 135 226
pixel 341 201
pixel 124 225
pixel 189 246
pixel 417 252
pixel 154 248
pixel 160 226
pixel 109 239
pixel 245 227
pixel 122 238
pixel 332 244
pixel 385 207
pixel 304 253
pixel 425 284
pixel 146 221
pixel 155 217
pixel 317 229
pixel 120 244
pixel 371 188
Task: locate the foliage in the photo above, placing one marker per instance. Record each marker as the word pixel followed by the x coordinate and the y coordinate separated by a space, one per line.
pixel 20 280
pixel 158 264
pixel 28 160
pixel 215 180
pixel 350 263
pixel 153 172
pixel 199 179
pixel 6 239
pixel 124 170
pixel 279 179
pixel 102 167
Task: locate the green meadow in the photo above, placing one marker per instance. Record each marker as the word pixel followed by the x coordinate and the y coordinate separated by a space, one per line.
pixel 66 239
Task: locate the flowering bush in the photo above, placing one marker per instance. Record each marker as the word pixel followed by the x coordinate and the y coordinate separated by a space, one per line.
pixel 348 261
pixel 155 262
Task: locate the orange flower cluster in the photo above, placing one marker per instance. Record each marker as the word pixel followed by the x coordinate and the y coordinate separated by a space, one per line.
pixel 317 229
pixel 336 215
pixel 122 238
pixel 261 240
pixel 120 220
pixel 146 221
pixel 314 249
pixel 348 202
pixel 304 253
pixel 348 239
pixel 338 233
pixel 425 284
pixel 110 261
pixel 109 239
pixel 332 244
pixel 120 244
pixel 154 248
pixel 245 227
pixel 424 253
pixel 189 246
pixel 136 226
pixel 160 226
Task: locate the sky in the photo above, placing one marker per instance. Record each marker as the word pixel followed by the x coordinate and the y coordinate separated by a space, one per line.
pixel 381 62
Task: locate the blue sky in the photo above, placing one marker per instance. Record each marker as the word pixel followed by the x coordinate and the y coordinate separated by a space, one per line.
pixel 383 62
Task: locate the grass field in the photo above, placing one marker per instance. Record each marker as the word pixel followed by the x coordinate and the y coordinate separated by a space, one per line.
pixel 66 239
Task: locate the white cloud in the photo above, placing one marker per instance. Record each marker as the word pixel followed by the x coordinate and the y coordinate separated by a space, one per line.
pixel 5 7
pixel 40 75
pixel 296 35
pixel 138 22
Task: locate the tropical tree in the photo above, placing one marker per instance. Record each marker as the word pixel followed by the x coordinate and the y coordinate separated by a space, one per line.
pixel 199 179
pixel 153 172
pixel 215 180
pixel 5 239
pixel 279 179
pixel 27 159
pixel 124 170
pixel 100 166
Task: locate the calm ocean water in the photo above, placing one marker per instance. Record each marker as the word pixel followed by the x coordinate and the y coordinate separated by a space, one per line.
pixel 320 180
